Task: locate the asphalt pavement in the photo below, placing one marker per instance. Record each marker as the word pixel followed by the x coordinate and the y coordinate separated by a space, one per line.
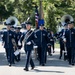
pixel 54 66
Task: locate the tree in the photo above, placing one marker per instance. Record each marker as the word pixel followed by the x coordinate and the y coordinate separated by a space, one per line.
pixel 22 9
pixel 50 17
pixel 6 8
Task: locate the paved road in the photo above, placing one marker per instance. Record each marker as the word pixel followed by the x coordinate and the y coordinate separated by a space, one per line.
pixel 54 66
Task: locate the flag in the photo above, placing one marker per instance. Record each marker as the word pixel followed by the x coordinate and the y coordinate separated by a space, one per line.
pixel 36 16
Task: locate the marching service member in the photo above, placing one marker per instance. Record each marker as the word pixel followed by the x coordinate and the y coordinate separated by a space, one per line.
pixel 8 45
pixel 70 42
pixel 41 39
pixel 28 46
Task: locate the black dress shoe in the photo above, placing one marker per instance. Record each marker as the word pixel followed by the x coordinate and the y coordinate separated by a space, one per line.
pixel 9 65
pixel 53 51
pixel 32 67
pixel 50 54
pixel 43 64
pixel 72 64
pixel 26 69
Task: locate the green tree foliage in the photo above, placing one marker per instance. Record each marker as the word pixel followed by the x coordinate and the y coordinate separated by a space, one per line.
pixel 50 17
pixel 62 7
pixel 6 9
pixel 22 9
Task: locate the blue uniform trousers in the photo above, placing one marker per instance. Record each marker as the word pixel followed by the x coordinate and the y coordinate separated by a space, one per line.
pixel 71 55
pixel 29 59
pixel 10 55
pixel 61 47
pixel 42 55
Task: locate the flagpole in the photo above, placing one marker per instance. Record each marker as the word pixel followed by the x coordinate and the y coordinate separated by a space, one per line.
pixel 36 16
pixel 41 10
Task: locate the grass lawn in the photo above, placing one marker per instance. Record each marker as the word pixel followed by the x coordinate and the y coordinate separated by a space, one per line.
pixel 2 26
pixel 57 45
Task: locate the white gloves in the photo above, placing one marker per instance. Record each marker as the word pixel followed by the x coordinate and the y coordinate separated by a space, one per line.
pixel 35 47
pixel 64 39
pixel 19 43
pixel 29 43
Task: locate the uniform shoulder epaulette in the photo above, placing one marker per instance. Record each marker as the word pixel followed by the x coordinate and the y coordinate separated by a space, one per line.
pixel 5 31
pixel 45 30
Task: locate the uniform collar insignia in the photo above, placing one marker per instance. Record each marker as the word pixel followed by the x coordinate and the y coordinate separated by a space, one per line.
pixel 72 32
pixel 43 34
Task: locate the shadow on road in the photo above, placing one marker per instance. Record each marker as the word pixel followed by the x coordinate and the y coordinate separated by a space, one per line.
pixel 36 70
pixel 3 60
pixel 51 61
